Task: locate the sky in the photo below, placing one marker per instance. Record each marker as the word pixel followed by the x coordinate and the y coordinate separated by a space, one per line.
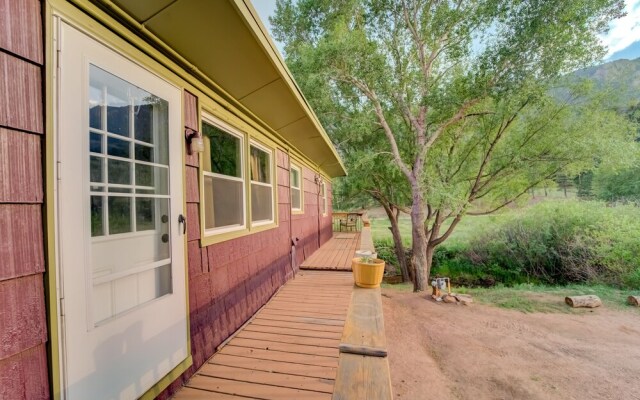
pixel 623 38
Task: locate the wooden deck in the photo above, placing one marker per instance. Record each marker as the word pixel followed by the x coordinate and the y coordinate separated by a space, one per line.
pixel 289 350
pixel 336 254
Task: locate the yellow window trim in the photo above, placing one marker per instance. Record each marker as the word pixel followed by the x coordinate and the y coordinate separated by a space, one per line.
pixel 325 197
pixel 300 170
pixel 224 121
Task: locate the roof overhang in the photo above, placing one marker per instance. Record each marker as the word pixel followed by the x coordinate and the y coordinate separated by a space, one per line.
pixel 226 41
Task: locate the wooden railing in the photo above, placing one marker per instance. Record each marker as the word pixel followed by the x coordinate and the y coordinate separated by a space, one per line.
pixel 363 367
pixel 347 221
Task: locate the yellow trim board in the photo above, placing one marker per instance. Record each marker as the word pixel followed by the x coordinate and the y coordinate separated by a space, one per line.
pixel 50 276
pixel 168 379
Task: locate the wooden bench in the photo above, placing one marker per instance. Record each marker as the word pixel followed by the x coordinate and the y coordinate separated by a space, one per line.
pixel 363 367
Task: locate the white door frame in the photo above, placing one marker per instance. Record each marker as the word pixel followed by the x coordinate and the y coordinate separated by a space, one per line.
pixel 63 138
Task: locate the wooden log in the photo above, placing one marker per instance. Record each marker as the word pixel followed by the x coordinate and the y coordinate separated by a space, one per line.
pixel 362 350
pixel 588 301
pixel 464 299
pixel 634 301
pixel 449 299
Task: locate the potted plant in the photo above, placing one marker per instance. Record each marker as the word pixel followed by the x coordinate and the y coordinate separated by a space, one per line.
pixel 367 271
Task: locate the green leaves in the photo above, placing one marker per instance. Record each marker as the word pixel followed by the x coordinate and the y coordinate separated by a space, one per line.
pixel 450 98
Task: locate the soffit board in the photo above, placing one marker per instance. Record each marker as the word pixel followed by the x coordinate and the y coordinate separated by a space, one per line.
pixel 217 39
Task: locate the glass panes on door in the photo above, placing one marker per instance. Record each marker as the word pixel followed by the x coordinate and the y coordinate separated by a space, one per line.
pixel 129 195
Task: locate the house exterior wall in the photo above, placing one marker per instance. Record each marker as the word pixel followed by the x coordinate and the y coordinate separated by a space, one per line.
pixel 23 329
pixel 229 281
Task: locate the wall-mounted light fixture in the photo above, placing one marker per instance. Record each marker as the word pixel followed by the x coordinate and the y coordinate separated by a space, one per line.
pixel 318 179
pixel 195 144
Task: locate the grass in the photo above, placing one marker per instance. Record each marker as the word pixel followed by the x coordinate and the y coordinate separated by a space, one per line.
pixel 529 298
pixel 469 227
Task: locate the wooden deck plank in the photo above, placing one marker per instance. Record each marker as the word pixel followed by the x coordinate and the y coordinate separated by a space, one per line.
pixel 288 347
pixel 268 378
pixel 336 254
pixel 288 351
pixel 282 367
pixel 364 327
pixel 363 378
pixel 289 339
pixel 187 393
pixel 273 355
pixel 295 331
pixel 255 390
pixel 306 326
pixel 302 319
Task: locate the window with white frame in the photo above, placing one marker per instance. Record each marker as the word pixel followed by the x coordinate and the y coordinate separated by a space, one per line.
pixel 296 188
pixel 223 179
pixel 323 196
pixel 260 159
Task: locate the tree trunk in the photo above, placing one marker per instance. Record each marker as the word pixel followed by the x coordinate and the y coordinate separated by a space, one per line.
pixel 589 301
pixel 397 242
pixel 430 252
pixel 419 237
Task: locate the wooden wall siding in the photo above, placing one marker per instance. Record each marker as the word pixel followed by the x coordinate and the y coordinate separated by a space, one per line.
pixel 20 168
pixel 23 332
pixel 22 375
pixel 21 91
pixel 21 28
pixel 22 315
pixel 21 247
pixel 191 121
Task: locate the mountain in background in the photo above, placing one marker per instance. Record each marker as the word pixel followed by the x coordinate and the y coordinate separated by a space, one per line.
pixel 621 78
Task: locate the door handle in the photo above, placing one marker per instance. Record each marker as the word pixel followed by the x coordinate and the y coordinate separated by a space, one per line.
pixel 182 220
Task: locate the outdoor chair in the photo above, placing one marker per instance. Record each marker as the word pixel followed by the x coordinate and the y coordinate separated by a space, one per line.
pixel 350 222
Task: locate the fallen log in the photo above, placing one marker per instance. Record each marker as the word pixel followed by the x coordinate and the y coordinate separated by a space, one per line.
pixel 449 299
pixel 634 301
pixel 464 299
pixel 588 301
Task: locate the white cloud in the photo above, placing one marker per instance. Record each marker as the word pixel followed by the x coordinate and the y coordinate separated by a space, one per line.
pixel 624 31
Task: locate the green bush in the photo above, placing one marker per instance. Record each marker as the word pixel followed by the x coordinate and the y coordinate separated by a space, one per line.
pixel 560 243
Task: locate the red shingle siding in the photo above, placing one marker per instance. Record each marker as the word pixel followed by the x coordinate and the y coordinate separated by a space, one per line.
pixel 22 375
pixel 22 315
pixel 23 332
pixel 21 90
pixel 21 28
pixel 21 247
pixel 20 167
pixel 191 121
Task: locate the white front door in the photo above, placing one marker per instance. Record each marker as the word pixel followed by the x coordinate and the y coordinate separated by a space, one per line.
pixel 123 302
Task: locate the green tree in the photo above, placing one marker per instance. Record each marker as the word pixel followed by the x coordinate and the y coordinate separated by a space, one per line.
pixel 455 89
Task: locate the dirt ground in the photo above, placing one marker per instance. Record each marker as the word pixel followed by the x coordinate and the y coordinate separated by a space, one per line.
pixel 447 351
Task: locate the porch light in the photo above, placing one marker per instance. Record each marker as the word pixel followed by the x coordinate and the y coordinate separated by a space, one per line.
pixel 195 144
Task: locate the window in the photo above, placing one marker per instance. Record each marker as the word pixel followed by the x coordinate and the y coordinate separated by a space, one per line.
pixel 296 188
pixel 223 179
pixel 261 185
pixel 323 196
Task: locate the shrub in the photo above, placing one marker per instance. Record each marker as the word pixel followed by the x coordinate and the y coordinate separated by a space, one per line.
pixel 563 242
